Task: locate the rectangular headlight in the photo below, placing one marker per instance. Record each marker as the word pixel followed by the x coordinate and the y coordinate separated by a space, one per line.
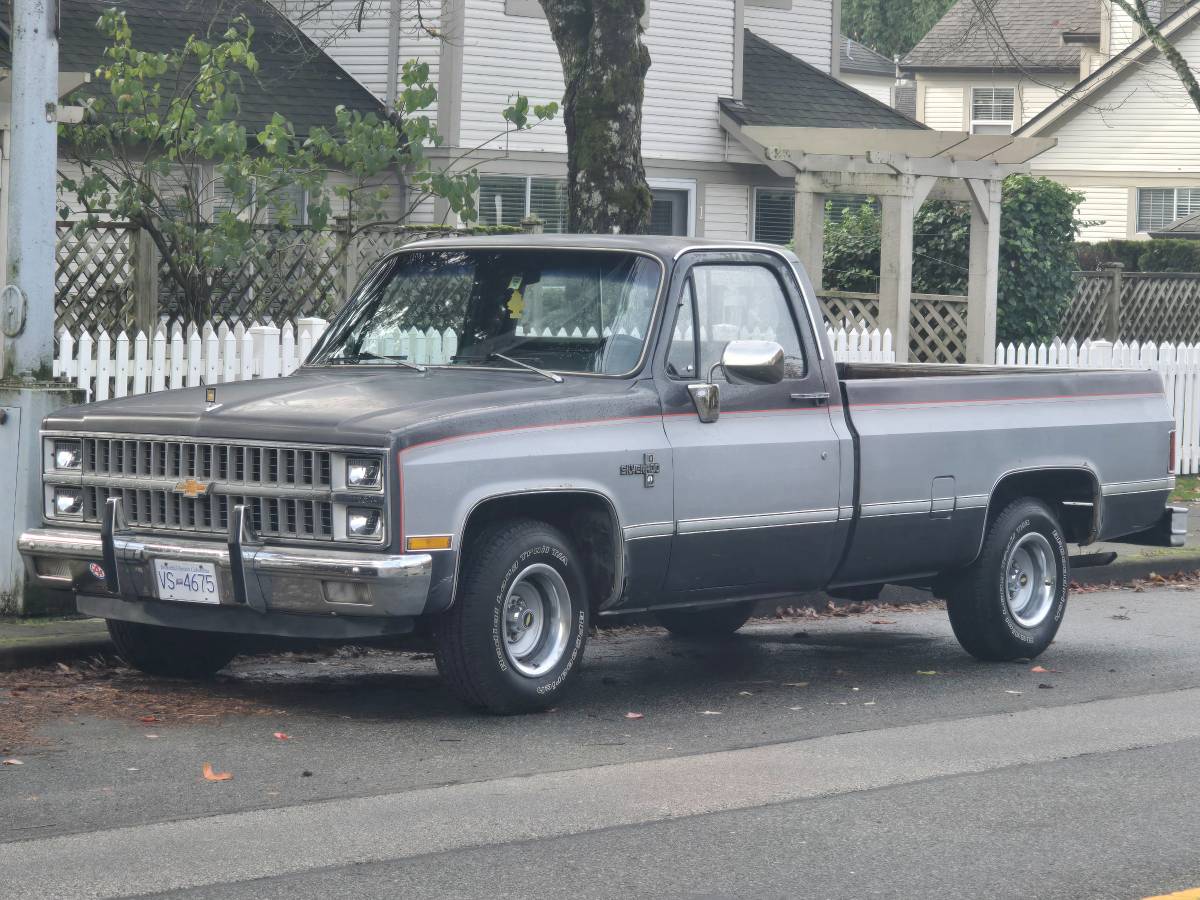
pixel 67 502
pixel 364 472
pixel 67 455
pixel 363 523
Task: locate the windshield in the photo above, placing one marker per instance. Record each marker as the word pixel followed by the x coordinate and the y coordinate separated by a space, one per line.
pixel 585 311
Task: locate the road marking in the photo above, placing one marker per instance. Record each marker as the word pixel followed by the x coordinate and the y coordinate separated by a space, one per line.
pixel 1191 894
pixel 269 842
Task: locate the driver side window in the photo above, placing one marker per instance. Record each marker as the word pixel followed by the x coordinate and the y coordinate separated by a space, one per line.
pixel 723 303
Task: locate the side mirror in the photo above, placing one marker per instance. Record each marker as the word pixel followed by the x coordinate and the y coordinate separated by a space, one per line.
pixel 744 362
pixel 753 362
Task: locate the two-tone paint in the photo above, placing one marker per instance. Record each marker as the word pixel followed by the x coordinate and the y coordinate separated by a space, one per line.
pixel 842 475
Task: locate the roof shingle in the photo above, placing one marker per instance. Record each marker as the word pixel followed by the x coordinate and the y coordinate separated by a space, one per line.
pixel 1006 34
pixel 860 58
pixel 295 78
pixel 779 89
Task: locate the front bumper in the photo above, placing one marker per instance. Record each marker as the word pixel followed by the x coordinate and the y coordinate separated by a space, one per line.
pixel 253 577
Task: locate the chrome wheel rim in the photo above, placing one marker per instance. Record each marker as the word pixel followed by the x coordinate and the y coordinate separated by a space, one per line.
pixel 1030 580
pixel 537 620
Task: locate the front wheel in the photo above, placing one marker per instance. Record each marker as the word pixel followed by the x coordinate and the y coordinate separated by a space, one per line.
pixel 1010 602
pixel 515 634
pixel 173 652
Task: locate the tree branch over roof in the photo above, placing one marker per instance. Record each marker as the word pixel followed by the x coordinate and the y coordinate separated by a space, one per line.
pixel 1137 11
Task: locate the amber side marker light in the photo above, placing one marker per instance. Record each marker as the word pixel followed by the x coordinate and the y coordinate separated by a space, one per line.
pixel 428 542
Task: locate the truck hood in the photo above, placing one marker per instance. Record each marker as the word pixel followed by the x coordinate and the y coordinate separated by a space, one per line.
pixel 348 406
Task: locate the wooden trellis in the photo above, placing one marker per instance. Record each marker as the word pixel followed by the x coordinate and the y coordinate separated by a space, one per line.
pixel 1134 306
pixel 1084 317
pixel 94 276
pixel 853 307
pixel 938 328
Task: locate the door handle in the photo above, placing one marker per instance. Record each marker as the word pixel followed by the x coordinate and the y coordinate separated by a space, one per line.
pixel 820 398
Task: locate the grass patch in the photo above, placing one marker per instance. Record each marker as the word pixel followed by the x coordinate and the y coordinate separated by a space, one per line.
pixel 1187 489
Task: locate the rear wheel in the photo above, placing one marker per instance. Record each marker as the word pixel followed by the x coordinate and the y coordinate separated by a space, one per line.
pixel 706 622
pixel 173 652
pixel 1010 602
pixel 515 634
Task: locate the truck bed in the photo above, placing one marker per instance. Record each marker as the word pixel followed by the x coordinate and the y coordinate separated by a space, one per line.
pixel 934 443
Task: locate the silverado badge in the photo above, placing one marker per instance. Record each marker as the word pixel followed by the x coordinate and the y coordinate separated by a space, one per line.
pixel 191 488
pixel 647 468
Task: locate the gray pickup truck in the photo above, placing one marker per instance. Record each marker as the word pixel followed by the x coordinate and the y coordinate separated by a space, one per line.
pixel 618 425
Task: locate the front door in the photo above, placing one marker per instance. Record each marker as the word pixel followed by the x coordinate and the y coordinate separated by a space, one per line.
pixel 756 492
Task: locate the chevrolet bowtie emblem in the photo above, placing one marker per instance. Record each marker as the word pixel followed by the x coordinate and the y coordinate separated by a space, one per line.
pixel 191 488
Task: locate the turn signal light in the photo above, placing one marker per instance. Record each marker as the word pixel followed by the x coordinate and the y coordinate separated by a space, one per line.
pixel 428 542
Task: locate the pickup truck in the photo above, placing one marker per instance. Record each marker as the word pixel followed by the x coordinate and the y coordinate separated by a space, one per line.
pixel 621 424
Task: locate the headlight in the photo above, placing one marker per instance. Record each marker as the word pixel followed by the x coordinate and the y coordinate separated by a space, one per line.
pixel 362 522
pixel 68 501
pixel 363 472
pixel 68 455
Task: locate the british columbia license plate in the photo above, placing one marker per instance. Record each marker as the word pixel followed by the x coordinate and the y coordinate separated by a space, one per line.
pixel 189 582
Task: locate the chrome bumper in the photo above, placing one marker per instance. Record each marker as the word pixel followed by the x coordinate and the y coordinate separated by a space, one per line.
pixel 119 563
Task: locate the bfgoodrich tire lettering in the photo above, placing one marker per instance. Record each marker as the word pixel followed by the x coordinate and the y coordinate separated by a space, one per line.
pixel 1010 602
pixel 515 634
pixel 173 652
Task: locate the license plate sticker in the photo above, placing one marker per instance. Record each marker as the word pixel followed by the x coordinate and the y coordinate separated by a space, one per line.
pixel 187 582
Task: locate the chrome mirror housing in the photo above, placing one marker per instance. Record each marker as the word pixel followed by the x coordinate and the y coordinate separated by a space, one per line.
pixel 707 400
pixel 753 362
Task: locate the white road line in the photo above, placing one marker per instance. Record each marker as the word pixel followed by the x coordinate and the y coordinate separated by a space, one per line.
pixel 239 846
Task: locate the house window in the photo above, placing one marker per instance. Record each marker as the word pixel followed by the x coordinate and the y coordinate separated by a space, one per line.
pixel 774 216
pixel 1159 207
pixel 507 199
pixel 992 110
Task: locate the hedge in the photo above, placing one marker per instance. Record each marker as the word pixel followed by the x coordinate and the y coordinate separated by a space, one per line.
pixel 1037 254
pixel 1154 255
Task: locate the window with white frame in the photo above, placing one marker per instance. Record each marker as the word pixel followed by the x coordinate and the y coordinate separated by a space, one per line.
pixel 992 110
pixel 507 199
pixel 1159 207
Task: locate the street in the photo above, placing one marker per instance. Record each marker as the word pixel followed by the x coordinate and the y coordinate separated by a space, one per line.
pixel 817 757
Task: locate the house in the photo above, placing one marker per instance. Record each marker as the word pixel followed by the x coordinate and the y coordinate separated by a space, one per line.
pixel 870 72
pixel 716 65
pixel 1127 138
pixel 1078 72
pixel 295 78
pixel 991 75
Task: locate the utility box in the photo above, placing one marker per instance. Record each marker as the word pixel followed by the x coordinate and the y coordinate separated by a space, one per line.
pixel 21 411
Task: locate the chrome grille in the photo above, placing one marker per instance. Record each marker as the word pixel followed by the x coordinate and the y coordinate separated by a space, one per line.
pixel 285 489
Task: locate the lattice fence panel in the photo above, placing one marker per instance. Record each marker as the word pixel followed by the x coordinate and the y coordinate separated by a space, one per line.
pixel 93 278
pixel 1084 317
pixel 845 309
pixel 1160 307
pixel 937 331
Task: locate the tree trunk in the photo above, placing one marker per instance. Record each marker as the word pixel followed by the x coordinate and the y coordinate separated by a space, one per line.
pixel 604 63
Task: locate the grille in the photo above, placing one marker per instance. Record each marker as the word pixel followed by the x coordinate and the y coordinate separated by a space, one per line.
pixel 254 476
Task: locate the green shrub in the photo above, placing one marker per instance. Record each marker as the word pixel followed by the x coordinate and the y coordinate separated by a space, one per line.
pixel 1154 255
pixel 1037 254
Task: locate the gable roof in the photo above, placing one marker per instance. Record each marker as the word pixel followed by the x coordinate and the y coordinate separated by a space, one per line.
pixel 862 60
pixel 1187 228
pixel 779 89
pixel 1006 35
pixel 296 78
pixel 1129 60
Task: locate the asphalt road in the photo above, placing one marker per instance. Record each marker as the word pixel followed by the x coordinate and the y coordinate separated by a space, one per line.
pixel 840 758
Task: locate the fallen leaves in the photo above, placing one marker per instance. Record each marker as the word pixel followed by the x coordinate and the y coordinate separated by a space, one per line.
pixel 1014 692
pixel 148 719
pixel 711 712
pixel 928 672
pixel 883 621
pixel 13 762
pixel 282 736
pixel 210 775
pixel 795 684
pixel 1042 670
pixel 635 715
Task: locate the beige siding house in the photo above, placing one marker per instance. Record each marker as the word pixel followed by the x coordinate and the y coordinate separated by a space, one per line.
pixel 711 59
pixel 1129 138
pixel 870 72
pixel 1130 148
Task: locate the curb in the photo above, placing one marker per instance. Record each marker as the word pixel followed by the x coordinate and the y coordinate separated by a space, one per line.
pixel 1135 569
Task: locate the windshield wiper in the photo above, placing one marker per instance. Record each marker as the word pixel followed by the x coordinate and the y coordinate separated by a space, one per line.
pixel 367 355
pixel 557 379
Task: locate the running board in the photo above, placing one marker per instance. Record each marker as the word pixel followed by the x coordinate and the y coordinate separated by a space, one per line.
pixel 1091 560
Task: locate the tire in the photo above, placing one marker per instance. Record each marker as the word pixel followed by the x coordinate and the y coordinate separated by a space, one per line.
pixel 173 652
pixel 1010 602
pixel 515 634
pixel 705 622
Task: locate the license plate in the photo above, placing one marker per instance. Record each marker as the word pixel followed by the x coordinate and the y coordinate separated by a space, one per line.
pixel 188 582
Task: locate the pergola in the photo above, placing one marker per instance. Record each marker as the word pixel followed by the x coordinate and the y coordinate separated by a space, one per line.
pixel 902 168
